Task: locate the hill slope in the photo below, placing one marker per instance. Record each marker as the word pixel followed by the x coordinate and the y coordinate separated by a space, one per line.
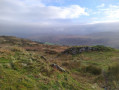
pixel 28 65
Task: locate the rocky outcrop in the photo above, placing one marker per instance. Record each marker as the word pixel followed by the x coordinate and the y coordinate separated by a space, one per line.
pixel 78 50
pixel 58 67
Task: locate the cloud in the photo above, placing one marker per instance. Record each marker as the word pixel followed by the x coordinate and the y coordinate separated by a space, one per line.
pixel 100 6
pixel 40 12
pixel 106 14
pixel 22 30
pixel 60 2
pixel 112 11
pixel 36 11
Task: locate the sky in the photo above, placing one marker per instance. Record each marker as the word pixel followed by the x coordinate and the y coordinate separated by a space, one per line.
pixel 46 13
pixel 59 11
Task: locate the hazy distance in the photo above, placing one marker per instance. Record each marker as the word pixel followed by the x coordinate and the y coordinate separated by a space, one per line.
pixel 61 22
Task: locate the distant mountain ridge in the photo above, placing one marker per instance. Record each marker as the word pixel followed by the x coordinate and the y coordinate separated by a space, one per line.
pixel 103 38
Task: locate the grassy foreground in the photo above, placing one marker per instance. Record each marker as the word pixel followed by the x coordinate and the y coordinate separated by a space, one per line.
pixel 26 65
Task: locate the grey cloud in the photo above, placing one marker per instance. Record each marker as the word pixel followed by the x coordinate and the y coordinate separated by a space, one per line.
pixel 29 29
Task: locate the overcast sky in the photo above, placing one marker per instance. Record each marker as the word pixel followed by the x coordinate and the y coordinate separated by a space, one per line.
pixel 58 12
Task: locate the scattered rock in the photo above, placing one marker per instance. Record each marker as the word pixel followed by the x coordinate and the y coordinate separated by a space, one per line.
pixel 42 57
pixel 58 67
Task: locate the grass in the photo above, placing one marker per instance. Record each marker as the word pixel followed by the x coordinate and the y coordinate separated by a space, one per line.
pixel 112 76
pixel 93 69
pixel 19 73
pixel 3 60
pixel 23 69
pixel 102 59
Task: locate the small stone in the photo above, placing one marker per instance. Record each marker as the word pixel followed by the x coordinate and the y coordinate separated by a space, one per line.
pixel 58 67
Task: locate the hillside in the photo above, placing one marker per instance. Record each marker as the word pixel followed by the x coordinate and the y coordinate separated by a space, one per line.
pixel 28 65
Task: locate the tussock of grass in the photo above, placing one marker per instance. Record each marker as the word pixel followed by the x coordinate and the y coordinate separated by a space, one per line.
pixel 92 69
pixel 112 76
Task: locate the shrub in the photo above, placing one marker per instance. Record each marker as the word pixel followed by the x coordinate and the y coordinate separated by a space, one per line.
pixel 92 69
